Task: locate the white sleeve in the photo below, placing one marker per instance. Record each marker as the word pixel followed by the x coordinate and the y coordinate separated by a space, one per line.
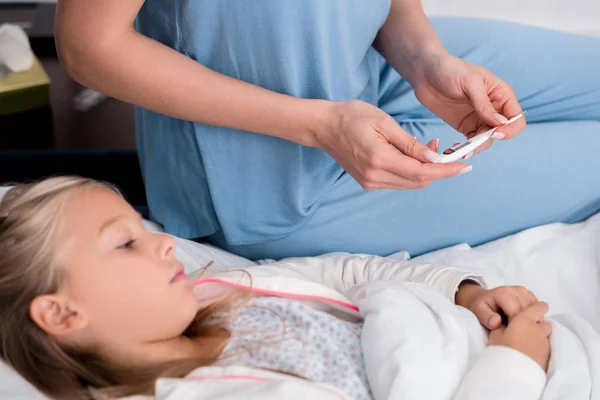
pixel 342 272
pixel 502 373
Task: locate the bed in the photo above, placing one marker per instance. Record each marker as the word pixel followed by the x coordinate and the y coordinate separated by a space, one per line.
pixel 560 263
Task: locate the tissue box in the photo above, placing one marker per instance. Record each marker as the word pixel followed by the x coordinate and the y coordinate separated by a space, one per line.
pixel 24 91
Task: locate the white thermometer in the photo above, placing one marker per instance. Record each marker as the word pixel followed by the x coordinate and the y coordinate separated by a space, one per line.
pixel 460 150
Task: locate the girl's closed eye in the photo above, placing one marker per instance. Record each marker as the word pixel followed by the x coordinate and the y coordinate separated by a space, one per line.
pixel 127 245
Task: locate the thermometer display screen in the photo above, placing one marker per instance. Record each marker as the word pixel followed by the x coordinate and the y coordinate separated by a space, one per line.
pixel 458 147
pixel 465 144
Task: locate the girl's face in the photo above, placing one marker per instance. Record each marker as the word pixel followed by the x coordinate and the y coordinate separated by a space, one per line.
pixel 122 284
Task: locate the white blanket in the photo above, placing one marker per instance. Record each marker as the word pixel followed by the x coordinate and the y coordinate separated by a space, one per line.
pixel 560 263
pixel 418 345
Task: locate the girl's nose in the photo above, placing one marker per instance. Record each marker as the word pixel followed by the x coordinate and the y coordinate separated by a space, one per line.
pixel 166 246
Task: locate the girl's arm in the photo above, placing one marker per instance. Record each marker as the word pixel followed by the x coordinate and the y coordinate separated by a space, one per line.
pixel 341 272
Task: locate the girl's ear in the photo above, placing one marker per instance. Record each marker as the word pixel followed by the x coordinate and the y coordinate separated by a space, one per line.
pixel 56 315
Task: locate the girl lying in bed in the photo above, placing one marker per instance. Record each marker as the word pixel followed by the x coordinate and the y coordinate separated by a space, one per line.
pixel 92 303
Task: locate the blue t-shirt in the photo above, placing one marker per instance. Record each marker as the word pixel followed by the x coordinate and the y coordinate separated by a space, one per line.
pixel 203 179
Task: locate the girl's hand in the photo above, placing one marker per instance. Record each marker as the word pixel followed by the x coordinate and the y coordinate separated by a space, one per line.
pixel 487 304
pixel 371 146
pixel 527 333
pixel 468 97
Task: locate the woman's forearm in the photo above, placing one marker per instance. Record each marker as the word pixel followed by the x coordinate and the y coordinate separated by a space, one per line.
pixel 131 67
pixel 407 39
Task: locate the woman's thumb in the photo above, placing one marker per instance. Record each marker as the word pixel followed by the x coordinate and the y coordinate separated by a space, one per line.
pixel 434 145
pixel 482 104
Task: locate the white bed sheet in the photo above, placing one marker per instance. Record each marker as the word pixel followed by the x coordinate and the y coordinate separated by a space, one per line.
pixel 575 16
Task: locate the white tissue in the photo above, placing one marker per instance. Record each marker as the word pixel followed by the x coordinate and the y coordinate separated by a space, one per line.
pixel 15 50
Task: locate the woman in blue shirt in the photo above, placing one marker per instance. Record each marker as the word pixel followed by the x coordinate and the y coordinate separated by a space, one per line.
pixel 261 123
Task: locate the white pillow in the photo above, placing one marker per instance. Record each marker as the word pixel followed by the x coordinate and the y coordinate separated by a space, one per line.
pixel 576 16
pixel 193 255
pixel 13 387
pixel 3 190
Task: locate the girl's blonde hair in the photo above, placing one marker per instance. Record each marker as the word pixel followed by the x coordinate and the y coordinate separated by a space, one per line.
pixel 29 267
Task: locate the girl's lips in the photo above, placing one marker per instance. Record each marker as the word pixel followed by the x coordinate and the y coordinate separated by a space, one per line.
pixel 179 274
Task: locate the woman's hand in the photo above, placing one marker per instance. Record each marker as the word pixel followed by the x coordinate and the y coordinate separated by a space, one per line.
pixel 487 304
pixel 468 97
pixel 527 333
pixel 377 152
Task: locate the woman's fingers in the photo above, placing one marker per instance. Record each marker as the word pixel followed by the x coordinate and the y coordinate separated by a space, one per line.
pixel 478 94
pixel 434 145
pixel 409 145
pixel 394 170
pixel 420 174
pixel 502 98
pixel 511 108
pixel 372 147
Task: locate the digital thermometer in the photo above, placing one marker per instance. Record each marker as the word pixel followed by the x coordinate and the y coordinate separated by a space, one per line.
pixel 460 150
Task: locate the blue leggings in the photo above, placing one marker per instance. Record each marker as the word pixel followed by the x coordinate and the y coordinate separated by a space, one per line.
pixel 549 173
